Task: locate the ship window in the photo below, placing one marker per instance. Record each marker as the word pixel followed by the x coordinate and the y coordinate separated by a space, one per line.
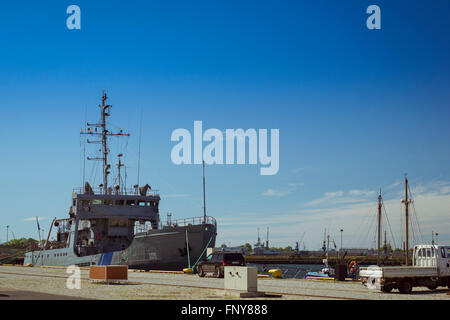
pixel 86 202
pixel 131 203
pixel 96 201
pixel 74 202
pixel 120 202
pixel 428 252
pixel 443 252
pixel 108 202
pixel 142 203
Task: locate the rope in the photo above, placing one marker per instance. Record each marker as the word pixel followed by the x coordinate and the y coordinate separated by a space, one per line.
pixel 389 224
pixel 202 252
pixel 187 249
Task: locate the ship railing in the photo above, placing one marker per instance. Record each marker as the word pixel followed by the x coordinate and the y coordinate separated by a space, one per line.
pixel 177 223
pixel 113 192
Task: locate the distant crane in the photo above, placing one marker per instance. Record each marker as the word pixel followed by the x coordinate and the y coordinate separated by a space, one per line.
pixel 301 239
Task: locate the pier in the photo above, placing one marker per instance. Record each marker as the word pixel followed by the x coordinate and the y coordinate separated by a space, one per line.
pixel 43 282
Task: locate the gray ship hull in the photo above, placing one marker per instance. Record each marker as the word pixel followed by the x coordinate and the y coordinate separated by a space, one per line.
pixel 164 249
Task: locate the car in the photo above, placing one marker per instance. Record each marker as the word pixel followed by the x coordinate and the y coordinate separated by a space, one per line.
pixel 216 261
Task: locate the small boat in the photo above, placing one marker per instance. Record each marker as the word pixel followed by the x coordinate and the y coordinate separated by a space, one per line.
pixel 327 271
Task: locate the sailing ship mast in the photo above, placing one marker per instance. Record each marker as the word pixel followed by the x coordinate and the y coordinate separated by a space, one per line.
pixel 406 202
pixel 379 229
pixel 104 134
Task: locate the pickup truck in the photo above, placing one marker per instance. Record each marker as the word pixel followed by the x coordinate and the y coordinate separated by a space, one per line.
pixel 430 268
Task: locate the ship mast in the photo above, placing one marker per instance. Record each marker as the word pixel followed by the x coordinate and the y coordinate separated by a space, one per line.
pixel 406 202
pixel 104 112
pixel 379 229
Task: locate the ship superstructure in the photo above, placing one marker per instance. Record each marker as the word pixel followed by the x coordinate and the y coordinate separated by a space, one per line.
pixel 116 225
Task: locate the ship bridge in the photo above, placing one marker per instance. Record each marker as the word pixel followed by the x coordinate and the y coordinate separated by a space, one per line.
pixel 120 204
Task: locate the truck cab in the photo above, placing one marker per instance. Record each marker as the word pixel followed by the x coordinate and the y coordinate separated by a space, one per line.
pixel 433 256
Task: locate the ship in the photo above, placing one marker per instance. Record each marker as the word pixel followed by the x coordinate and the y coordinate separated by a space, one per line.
pixel 116 225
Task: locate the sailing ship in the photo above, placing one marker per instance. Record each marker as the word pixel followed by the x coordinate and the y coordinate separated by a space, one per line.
pixel 113 225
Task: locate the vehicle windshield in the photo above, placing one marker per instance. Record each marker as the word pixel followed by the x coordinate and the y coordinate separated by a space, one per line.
pixel 233 257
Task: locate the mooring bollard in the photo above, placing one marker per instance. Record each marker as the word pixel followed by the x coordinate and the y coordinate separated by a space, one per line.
pixel 188 271
pixel 276 273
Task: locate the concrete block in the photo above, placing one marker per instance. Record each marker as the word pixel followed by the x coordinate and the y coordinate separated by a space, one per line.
pixel 241 278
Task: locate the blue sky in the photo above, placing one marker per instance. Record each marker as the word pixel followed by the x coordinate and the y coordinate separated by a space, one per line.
pixel 356 109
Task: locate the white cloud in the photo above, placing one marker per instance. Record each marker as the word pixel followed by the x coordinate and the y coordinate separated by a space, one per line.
pixel 298 170
pixel 445 190
pixel 178 195
pixel 361 192
pixel 281 192
pixel 34 218
pixel 276 193
pixel 327 197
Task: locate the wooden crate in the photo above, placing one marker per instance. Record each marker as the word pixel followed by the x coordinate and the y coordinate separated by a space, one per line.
pixel 109 273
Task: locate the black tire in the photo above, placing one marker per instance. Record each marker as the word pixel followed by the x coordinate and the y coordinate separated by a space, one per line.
pixel 386 288
pixel 405 287
pixel 200 271
pixel 433 287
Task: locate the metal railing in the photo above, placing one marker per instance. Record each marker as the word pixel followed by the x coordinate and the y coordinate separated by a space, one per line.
pixel 113 192
pixel 177 223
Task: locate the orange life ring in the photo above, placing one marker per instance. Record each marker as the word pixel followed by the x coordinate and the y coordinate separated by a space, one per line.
pixel 353 265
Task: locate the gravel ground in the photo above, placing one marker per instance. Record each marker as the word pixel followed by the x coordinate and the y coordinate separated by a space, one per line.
pixel 144 285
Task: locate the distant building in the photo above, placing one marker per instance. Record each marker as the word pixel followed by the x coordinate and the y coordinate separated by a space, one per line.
pixel 357 251
pixel 242 250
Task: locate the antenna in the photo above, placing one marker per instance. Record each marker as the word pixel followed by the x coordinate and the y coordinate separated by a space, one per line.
pixel 204 196
pixel 104 134
pixel 119 165
pixel 139 152
pixel 39 230
pixel 84 149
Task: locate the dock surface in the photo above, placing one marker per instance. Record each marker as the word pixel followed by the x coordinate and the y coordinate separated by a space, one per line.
pixel 16 282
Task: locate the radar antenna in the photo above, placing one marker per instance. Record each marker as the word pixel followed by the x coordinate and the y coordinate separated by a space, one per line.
pixel 104 134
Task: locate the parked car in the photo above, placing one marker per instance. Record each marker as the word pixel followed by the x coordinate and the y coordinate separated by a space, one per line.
pixel 216 262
